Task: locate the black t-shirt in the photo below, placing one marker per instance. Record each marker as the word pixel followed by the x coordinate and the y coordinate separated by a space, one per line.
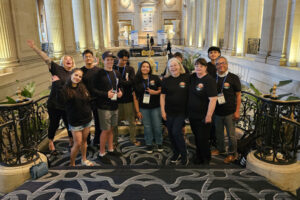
pixel 140 87
pixel 212 70
pixel 78 109
pixel 103 82
pixel 199 92
pixel 127 85
pixel 63 75
pixel 88 78
pixel 176 91
pixel 232 85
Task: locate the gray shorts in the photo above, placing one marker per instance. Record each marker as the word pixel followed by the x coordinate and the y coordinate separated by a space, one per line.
pixel 108 118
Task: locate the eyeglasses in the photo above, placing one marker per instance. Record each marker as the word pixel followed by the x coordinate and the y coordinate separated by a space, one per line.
pixel 221 63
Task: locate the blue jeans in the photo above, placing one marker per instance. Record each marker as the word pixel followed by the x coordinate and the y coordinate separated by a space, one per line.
pixel 152 125
pixel 227 121
pixel 174 125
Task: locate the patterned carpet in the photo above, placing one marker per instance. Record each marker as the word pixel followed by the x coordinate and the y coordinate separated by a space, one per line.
pixel 138 175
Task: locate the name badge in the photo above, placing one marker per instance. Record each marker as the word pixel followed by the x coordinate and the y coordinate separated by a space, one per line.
pixel 126 76
pixel 114 98
pixel 146 99
pixel 221 99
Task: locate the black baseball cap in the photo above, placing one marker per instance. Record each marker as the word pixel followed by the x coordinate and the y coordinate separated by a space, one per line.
pixel 107 54
pixel 213 48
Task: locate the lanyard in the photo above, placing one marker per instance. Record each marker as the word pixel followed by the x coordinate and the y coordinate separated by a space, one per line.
pixel 145 85
pixel 222 83
pixel 107 73
pixel 123 72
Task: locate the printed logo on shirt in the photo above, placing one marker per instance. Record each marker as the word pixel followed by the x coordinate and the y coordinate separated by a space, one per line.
pixel 182 84
pixel 199 87
pixel 226 85
pixel 152 82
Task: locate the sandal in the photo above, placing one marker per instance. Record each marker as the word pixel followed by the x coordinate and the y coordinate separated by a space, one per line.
pixel 87 163
pixel 54 153
pixel 137 143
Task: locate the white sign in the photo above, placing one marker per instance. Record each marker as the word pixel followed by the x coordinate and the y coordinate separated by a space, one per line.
pixel 161 37
pixel 147 18
pixel 134 38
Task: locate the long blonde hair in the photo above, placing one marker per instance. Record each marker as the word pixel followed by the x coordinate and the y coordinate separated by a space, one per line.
pixel 168 73
pixel 63 58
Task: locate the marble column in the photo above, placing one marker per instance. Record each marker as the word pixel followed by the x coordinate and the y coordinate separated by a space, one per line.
pixel 95 23
pixel 68 27
pixel 202 23
pixel 231 50
pixel 191 16
pixel 100 25
pixel 184 28
pixel 8 54
pixel 280 33
pixel 55 27
pixel 212 24
pixel 104 24
pixel 227 26
pixel 293 49
pixel 241 27
pixel 88 25
pixel 266 31
pixel 111 25
pixel 79 24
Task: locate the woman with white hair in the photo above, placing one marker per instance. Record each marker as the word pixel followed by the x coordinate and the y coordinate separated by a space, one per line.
pixel 55 108
pixel 173 102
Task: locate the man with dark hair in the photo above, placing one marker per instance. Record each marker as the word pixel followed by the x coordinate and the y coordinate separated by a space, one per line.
pixel 89 71
pixel 213 54
pixel 227 108
pixel 179 57
pixel 126 107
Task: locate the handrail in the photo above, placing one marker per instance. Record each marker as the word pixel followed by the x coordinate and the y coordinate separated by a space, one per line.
pixel 276 125
pixel 22 127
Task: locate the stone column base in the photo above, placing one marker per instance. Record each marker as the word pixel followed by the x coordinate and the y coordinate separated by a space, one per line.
pixel 286 177
pixel 13 177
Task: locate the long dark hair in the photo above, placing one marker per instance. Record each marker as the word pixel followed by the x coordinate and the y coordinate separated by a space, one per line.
pixel 139 76
pixel 80 93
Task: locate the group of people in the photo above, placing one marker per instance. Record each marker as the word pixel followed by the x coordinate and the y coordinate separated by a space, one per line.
pixel 208 97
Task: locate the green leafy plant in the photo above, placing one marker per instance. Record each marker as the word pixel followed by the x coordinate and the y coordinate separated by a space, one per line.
pixel 280 84
pixel 189 60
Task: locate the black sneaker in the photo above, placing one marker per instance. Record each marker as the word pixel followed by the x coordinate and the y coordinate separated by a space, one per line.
pixel 160 148
pixel 184 161
pixel 104 159
pixel 149 149
pixel 175 158
pixel 114 153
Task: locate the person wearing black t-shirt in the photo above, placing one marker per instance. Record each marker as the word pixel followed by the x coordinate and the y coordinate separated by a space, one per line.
pixel 89 71
pixel 55 108
pixel 147 88
pixel 125 103
pixel 213 53
pixel 228 108
pixel 173 102
pixel 107 89
pixel 76 100
pixel 201 105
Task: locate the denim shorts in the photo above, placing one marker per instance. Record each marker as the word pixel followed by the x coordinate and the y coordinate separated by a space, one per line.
pixel 79 128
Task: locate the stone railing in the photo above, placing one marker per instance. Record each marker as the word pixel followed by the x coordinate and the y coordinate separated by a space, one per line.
pixel 276 125
pixel 22 127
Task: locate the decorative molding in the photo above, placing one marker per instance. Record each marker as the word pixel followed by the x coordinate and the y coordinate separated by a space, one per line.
pixel 169 3
pixel 125 3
